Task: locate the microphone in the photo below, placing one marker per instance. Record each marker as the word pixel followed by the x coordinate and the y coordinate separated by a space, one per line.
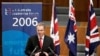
pixel 33 50
pixel 51 50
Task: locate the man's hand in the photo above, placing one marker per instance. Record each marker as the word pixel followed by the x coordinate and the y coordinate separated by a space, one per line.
pixel 37 54
pixel 46 53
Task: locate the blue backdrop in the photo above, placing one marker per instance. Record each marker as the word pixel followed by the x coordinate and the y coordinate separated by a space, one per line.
pixel 18 23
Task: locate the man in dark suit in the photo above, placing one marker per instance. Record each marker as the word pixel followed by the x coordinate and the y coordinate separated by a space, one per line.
pixel 40 44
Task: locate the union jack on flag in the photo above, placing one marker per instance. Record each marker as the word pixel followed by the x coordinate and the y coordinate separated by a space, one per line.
pixel 92 35
pixel 71 32
pixel 54 33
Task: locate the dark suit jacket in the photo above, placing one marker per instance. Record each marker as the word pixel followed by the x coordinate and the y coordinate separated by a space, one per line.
pixel 33 42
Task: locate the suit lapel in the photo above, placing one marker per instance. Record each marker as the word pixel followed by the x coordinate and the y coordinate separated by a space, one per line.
pixel 44 43
pixel 37 41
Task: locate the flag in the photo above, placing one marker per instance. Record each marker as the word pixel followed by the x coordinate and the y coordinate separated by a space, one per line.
pixel 54 32
pixel 92 34
pixel 71 31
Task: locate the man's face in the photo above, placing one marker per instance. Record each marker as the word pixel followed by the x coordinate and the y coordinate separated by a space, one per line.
pixel 40 30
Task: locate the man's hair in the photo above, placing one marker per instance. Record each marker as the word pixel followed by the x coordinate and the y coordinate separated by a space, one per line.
pixel 41 24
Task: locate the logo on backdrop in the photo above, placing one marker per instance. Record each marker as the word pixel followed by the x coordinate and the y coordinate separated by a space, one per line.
pixel 18 23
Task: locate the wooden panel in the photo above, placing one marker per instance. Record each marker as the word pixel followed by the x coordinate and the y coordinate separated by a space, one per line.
pixel 46 13
pixel 31 0
pixel 81 31
pixel 47 5
pixel 10 0
pixel 98 51
pixel 98 3
pixel 95 3
pixel 62 3
pixel 81 7
pixel 81 16
pixel 47 8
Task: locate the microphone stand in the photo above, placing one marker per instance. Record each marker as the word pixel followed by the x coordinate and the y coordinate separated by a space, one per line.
pixel 33 50
pixel 52 51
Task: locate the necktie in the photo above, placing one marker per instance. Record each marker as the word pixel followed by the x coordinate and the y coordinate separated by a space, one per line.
pixel 40 42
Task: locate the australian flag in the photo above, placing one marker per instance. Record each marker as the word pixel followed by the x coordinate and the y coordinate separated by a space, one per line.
pixel 71 31
pixel 92 35
pixel 54 32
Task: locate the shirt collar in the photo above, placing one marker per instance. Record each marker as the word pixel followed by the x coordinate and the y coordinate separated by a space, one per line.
pixel 39 37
